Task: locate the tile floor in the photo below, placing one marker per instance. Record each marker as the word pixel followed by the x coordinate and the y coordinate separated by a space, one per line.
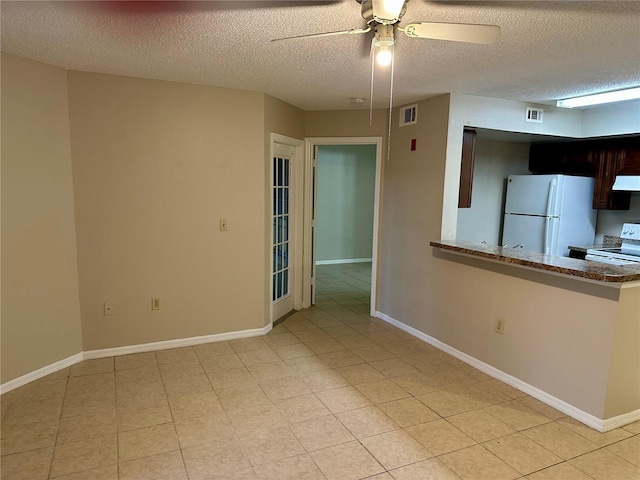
pixel 330 393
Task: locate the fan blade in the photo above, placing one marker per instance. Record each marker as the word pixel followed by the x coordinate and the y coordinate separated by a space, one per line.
pixel 353 31
pixel 456 32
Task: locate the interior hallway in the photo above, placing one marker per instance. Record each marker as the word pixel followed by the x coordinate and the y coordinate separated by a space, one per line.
pixel 329 393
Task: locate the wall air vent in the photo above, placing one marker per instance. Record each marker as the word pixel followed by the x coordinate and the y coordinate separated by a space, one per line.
pixel 534 115
pixel 408 115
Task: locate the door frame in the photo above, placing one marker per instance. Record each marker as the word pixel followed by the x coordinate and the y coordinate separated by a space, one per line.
pixel 297 211
pixel 308 269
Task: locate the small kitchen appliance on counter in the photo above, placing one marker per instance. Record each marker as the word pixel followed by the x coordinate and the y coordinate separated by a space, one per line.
pixel 627 254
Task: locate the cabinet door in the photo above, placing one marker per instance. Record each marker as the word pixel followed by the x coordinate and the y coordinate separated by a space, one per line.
pixel 466 168
pixel 546 158
pixel 603 196
pixel 628 161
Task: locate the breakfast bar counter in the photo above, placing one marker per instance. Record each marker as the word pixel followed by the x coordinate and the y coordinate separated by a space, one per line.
pixel 584 269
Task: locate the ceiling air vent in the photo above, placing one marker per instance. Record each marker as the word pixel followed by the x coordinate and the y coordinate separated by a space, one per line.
pixel 534 115
pixel 408 115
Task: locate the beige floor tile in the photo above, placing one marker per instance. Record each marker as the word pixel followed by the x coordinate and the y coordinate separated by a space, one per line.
pixel 341 331
pixel 628 450
pixel 181 369
pixel 516 415
pixel 295 468
pixel 416 383
pixel 503 388
pixel 476 463
pixel 196 405
pixel 324 380
pixel 450 402
pixel 31 465
pixel 480 425
pixel 440 437
pixel 213 430
pixel 242 398
pixel 562 471
pixel 92 367
pixel 202 461
pixel 256 418
pixel 212 349
pixel 602 465
pixel 147 441
pixel 363 373
pixel 560 440
pixel 356 341
pixel 633 428
pixel 343 399
pixel 164 466
pixel 271 371
pixel 176 355
pixel 395 449
pixel 135 395
pixel 380 476
pixel 287 387
pixel 311 334
pixel 84 455
pixel 541 407
pixel 134 418
pixel 521 453
pixel 221 363
pixel 75 429
pixel 281 340
pixel 269 445
pixel 187 385
pixel 432 469
pixel 349 461
pixel 383 337
pixel 259 357
pixel 139 375
pixel 327 322
pixel 599 438
pixel 373 353
pixel 297 350
pixel 382 391
pixel 321 432
pixel 109 472
pixel 325 345
pixel 303 365
pixel 33 412
pixel 234 378
pixel 136 360
pixel 394 367
pixel 343 358
pixel 301 408
pixel 405 348
pixel 298 324
pixel 97 386
pixel 42 389
pixel 367 421
pixel 30 436
pixel 248 344
pixel 81 405
pixel 408 411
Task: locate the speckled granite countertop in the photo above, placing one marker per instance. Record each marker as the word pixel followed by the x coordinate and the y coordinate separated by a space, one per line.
pixel 569 266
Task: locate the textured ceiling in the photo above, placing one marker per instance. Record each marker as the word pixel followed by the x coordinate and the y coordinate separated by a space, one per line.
pixel 547 50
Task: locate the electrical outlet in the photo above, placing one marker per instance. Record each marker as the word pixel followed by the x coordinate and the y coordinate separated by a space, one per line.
pixel 109 309
pixel 155 304
pixel 500 325
pixel 223 225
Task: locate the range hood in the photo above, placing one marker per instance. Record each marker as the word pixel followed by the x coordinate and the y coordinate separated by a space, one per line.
pixel 627 183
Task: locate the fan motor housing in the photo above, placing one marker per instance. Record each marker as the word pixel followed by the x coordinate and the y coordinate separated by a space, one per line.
pixel 367 11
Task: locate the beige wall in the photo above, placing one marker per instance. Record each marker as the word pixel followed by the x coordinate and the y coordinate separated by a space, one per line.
pixel 40 307
pixel 156 165
pixel 346 123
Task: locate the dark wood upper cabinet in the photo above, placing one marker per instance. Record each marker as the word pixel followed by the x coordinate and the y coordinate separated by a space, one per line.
pixel 466 168
pixel 599 158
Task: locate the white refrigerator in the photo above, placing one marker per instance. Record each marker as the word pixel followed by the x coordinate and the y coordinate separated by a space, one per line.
pixel 547 213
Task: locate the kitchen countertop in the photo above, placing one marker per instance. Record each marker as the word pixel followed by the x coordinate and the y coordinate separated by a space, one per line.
pixel 586 269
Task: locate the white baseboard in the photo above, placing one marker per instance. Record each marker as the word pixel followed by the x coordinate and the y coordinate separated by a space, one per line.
pixel 602 425
pixel 41 372
pixel 343 260
pixel 117 351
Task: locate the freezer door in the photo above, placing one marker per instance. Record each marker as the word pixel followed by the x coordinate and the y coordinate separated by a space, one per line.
pixel 532 232
pixel 533 194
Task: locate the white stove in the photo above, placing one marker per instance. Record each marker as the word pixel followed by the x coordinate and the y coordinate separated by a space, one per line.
pixel 627 254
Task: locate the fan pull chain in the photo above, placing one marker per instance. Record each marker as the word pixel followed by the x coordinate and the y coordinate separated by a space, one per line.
pixel 393 61
pixel 373 66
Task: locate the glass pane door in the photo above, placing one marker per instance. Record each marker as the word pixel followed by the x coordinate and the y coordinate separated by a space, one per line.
pixel 281 224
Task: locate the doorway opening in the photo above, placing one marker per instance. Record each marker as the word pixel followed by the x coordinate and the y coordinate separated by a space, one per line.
pixel 341 228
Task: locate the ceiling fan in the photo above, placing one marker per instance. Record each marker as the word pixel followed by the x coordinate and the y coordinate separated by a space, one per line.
pixel 383 17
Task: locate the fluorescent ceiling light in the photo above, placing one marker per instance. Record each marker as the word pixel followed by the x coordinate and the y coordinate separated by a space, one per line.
pixel 600 98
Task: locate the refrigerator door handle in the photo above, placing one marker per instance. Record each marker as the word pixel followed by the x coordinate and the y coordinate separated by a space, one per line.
pixel 547 233
pixel 551 197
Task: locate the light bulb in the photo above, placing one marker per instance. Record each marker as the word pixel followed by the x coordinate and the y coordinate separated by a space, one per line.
pixel 384 56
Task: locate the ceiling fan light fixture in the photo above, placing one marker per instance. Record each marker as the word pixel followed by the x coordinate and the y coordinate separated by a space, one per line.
pixel 384 56
pixel 600 98
pixel 387 12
